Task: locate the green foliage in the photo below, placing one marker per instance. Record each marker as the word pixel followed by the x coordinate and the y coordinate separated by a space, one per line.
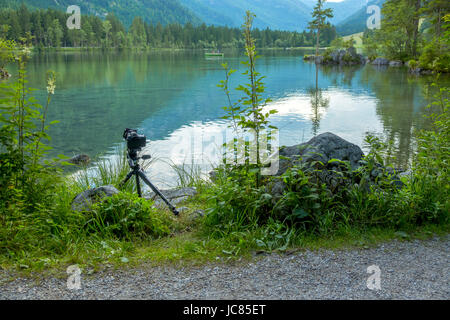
pixel 126 216
pixel 412 64
pixel 429 183
pixel 248 114
pixel 323 199
pixel 433 58
pixel 48 29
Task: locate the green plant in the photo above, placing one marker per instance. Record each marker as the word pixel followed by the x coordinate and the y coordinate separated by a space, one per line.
pixel 248 114
pixel 412 64
pixel 126 216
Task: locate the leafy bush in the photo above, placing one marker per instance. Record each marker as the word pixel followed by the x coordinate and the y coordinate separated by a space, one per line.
pixel 126 216
pixel 433 58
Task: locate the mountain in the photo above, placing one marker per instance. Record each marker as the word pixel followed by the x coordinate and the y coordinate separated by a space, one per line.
pixel 357 21
pixel 341 10
pixel 152 11
pixel 276 14
pixel 292 15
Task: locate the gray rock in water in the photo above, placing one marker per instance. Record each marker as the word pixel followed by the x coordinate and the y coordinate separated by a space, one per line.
pixel 395 63
pixel 84 200
pixel 175 196
pixel 80 159
pixel 380 62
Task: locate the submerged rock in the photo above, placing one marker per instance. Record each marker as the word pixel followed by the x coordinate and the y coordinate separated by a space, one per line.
pixel 80 159
pixel 4 74
pixel 84 200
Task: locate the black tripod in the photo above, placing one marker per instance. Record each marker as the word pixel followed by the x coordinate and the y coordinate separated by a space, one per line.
pixel 133 161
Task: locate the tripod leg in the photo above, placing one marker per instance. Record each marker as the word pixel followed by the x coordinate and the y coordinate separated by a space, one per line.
pixel 147 181
pixel 138 186
pixel 127 178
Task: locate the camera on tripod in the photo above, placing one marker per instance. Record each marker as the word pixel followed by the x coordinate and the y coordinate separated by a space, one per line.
pixel 134 140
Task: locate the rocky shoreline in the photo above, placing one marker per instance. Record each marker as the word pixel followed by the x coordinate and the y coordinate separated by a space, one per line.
pixel 349 57
pixel 326 149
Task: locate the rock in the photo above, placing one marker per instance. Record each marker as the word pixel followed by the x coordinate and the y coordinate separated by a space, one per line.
pixel 84 200
pixel 408 174
pixel 80 159
pixel 4 74
pixel 341 57
pixel 213 175
pixel 395 63
pixel 324 147
pixel 380 62
pixel 175 196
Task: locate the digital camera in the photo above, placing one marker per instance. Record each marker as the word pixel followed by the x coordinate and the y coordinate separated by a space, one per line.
pixel 134 140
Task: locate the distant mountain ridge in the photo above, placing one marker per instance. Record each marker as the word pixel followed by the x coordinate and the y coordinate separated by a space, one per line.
pixel 357 21
pixel 152 11
pixel 291 15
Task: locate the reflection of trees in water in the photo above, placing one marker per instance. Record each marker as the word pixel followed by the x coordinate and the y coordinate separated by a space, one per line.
pixel 93 68
pixel 318 104
pixel 340 75
pixel 400 105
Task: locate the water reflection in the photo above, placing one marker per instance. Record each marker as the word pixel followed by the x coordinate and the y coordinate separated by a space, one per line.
pixel 172 94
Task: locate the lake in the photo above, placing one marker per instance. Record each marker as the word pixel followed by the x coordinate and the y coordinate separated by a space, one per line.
pixel 173 96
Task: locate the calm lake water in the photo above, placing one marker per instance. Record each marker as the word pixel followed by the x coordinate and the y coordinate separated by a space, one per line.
pixel 170 96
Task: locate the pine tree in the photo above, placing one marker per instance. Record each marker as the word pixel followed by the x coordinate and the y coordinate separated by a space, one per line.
pixel 319 15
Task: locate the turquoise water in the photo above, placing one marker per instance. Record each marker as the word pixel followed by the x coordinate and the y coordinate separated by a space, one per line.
pixel 174 96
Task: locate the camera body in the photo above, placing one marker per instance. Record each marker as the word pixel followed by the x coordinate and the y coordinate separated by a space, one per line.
pixel 135 141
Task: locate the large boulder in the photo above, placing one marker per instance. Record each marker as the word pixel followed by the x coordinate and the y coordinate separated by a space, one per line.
pixel 323 148
pixel 84 200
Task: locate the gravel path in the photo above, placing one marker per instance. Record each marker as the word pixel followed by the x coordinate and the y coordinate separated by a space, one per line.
pixel 409 270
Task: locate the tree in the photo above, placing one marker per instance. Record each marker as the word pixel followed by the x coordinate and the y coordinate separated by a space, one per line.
pixel 434 11
pixel 107 28
pixel 399 33
pixel 318 23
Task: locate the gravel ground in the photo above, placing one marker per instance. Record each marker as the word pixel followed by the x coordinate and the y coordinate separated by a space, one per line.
pixel 409 270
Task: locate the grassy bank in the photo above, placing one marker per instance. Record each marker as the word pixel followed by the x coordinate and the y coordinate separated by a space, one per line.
pixel 321 205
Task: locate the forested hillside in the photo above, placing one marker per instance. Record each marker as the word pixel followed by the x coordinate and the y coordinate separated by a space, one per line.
pixel 47 28
pixel 152 11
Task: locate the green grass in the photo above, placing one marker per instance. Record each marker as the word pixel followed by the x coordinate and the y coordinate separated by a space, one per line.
pixel 357 37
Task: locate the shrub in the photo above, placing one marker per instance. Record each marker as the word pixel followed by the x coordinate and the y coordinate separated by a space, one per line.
pixel 433 59
pixel 126 216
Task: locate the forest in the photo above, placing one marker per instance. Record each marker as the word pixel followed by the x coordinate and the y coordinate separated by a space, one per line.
pixel 47 28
